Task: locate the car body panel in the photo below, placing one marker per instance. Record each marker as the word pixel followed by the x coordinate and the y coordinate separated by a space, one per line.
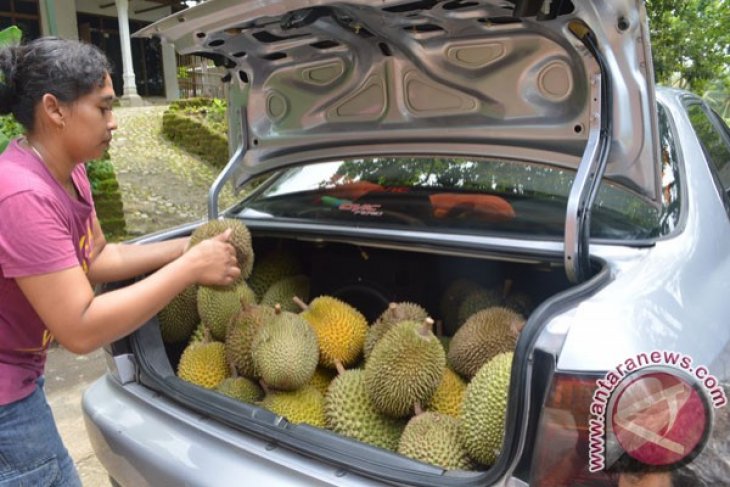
pixel 142 438
pixel 662 300
pixel 324 79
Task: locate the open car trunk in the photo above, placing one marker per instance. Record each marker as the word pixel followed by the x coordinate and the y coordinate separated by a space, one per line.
pixel 369 276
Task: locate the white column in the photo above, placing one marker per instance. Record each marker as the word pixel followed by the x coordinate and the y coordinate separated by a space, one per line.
pixel 169 69
pixel 129 91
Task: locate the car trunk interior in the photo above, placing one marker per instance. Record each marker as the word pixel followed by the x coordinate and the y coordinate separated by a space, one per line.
pixel 368 277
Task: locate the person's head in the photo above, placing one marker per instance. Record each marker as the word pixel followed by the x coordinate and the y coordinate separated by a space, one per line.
pixel 60 88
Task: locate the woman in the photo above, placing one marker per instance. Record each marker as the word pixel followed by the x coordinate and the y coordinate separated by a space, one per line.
pixel 52 249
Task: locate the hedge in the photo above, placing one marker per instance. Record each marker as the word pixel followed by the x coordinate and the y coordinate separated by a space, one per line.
pixel 199 126
pixel 107 197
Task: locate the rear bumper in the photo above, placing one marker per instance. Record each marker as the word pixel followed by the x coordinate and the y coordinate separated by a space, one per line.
pixel 143 438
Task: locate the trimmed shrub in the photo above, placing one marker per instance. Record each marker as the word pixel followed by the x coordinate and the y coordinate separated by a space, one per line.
pixel 107 197
pixel 199 126
pixel 196 137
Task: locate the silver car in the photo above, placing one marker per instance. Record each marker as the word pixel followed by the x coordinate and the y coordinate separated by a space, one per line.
pixel 400 146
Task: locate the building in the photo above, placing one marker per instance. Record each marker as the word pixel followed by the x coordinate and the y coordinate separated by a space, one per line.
pixel 141 67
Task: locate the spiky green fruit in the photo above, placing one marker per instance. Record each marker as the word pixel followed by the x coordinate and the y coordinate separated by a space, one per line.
pixel 484 409
pixel 285 351
pixel 452 298
pixel 476 301
pixel 180 317
pixel 239 339
pixel 322 378
pixel 217 306
pixel 395 313
pixel 273 266
pixel 283 291
pixel 449 394
pixel 240 239
pixel 200 334
pixel 340 330
pixel 484 335
pixel 203 364
pixel 241 388
pixel 305 405
pixel 434 438
pixel 350 412
pixel 404 368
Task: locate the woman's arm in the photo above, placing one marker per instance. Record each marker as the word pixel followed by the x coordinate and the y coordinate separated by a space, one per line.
pixel 116 262
pixel 82 322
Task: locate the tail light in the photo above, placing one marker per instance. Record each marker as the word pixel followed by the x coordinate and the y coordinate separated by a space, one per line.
pixel 658 416
pixel 562 453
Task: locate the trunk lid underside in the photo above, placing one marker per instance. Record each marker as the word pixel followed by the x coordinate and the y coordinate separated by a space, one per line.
pixel 323 79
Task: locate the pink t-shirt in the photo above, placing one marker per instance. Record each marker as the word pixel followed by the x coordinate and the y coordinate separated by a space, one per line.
pixel 42 230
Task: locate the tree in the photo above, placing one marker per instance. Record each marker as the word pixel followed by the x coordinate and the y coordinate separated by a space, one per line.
pixel 690 41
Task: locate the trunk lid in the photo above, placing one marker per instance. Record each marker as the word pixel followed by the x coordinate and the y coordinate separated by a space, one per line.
pixel 325 79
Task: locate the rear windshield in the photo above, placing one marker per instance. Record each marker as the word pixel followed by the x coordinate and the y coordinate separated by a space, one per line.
pixel 462 195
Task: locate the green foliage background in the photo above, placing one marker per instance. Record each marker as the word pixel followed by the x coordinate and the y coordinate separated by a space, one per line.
pixel 691 47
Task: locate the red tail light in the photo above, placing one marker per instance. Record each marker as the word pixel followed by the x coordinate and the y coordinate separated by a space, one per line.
pixel 562 454
pixel 658 418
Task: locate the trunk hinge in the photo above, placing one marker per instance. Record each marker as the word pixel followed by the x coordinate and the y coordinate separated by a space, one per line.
pixel 227 171
pixel 592 165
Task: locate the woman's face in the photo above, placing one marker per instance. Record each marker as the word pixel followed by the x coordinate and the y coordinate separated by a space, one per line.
pixel 89 123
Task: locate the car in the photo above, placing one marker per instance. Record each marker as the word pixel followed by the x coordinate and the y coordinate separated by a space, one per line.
pixel 426 151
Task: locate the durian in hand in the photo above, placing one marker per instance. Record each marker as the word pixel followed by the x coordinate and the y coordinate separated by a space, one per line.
pixel 405 367
pixel 240 239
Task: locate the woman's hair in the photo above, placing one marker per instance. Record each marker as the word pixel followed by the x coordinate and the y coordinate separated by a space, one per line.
pixel 64 68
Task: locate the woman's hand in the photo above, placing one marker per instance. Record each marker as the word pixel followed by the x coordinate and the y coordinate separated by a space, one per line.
pixel 214 260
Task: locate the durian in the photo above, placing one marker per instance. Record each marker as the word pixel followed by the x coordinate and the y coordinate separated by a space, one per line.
pixel 484 409
pixel 404 368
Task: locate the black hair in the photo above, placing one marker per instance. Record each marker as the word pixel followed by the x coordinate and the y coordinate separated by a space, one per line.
pixel 66 69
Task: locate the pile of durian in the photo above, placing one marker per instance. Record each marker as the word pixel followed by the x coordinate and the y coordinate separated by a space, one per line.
pixel 394 384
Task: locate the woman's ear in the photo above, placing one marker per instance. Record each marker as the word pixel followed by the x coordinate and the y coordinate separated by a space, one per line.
pixel 53 110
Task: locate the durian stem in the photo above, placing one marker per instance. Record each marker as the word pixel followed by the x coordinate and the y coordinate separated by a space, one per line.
pixel 264 387
pixel 206 334
pixel 277 308
pixel 417 408
pixel 396 310
pixel 507 288
pixel 517 326
pixel 427 327
pixel 234 370
pixel 300 303
pixel 340 368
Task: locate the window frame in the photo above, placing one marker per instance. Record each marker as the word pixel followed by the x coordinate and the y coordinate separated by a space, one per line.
pixel 722 130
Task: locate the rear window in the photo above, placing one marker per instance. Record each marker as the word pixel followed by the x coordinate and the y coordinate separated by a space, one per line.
pixel 466 195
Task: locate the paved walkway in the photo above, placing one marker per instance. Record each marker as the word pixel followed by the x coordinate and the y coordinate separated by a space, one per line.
pixel 162 186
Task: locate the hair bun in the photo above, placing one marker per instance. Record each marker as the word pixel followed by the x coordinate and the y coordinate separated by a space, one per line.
pixel 8 65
